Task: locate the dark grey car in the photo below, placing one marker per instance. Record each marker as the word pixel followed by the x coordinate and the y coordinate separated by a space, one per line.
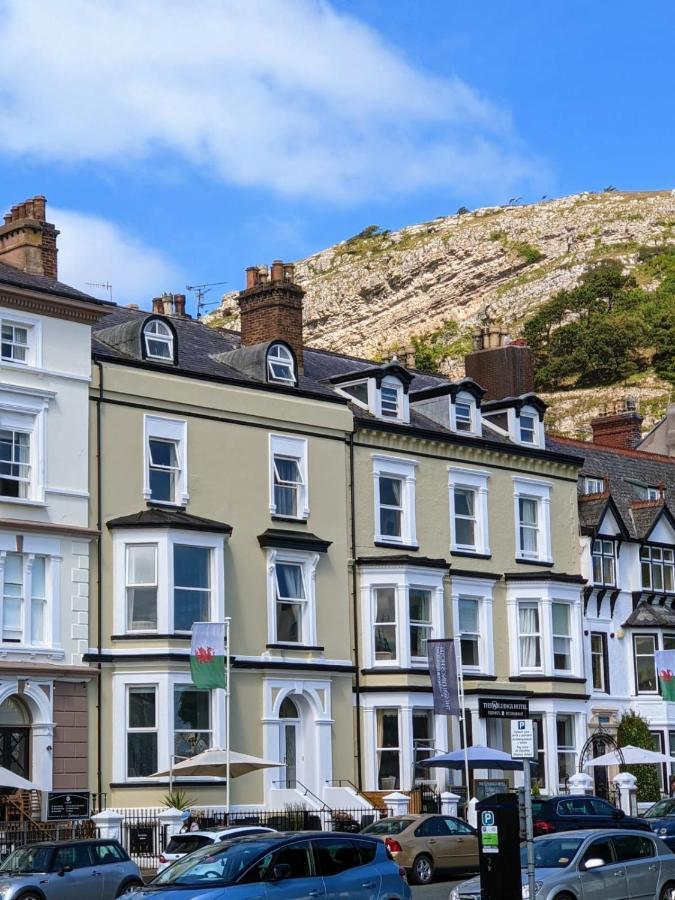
pixel 69 870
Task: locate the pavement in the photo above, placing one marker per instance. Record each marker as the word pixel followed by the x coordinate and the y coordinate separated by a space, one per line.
pixel 438 890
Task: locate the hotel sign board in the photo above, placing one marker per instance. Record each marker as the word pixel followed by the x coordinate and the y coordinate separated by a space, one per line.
pixel 503 708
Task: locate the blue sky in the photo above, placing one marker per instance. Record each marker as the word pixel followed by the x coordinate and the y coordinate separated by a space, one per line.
pixel 178 143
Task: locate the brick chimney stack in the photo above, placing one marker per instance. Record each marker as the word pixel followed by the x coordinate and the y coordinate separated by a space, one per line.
pixel 620 427
pixel 503 368
pixel 27 241
pixel 271 307
pixel 170 305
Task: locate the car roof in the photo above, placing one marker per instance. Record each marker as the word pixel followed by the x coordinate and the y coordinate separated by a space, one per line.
pixel 233 830
pixel 596 832
pixel 73 843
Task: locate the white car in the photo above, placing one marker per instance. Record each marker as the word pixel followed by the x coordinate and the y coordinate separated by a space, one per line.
pixel 182 844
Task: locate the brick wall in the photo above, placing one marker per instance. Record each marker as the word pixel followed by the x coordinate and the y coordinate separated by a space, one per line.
pixel 272 311
pixel 621 430
pixel 71 735
pixel 502 371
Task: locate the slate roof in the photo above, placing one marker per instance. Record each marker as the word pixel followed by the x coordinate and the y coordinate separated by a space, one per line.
pixel 649 615
pixel 626 474
pixel 17 278
pixel 205 352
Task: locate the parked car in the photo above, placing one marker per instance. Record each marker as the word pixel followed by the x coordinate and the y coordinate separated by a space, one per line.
pixel 427 843
pixel 661 819
pixel 291 866
pixel 612 864
pixel 571 812
pixel 182 844
pixel 69 870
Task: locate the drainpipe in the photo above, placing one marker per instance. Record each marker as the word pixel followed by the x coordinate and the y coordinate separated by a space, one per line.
pixel 355 614
pixel 99 578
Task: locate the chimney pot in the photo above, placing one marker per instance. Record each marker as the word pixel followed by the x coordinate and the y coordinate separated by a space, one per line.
pixel 271 308
pixel 27 240
pixel 158 305
pixel 277 270
pixel 620 429
pixel 252 276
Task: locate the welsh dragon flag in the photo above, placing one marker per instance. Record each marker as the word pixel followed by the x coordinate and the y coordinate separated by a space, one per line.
pixel 207 655
pixel 665 667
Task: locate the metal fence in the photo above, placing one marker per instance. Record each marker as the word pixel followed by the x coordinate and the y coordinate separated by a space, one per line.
pixel 17 834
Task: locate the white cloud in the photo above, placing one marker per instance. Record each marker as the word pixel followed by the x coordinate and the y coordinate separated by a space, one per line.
pixel 282 94
pixel 92 249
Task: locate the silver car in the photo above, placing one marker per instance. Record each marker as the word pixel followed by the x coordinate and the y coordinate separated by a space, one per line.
pixel 69 870
pixel 612 864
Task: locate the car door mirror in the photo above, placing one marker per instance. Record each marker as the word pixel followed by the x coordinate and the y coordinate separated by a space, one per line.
pixel 619 814
pixel 64 869
pixel 594 863
pixel 281 871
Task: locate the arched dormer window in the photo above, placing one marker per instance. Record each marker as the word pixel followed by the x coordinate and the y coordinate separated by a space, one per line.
pixel 280 364
pixel 158 341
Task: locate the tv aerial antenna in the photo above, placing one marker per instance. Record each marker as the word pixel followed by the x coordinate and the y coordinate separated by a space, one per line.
pixel 200 291
pixel 103 285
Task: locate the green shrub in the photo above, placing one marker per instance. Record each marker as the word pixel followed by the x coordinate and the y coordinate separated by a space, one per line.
pixel 633 731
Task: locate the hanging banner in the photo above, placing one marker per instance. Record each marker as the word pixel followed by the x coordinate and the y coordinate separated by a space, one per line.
pixel 443 673
pixel 207 655
pixel 665 669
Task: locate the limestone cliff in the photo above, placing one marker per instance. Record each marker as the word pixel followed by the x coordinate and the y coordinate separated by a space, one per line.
pixel 377 290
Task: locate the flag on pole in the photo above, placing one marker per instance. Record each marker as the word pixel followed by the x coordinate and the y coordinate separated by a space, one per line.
pixel 443 672
pixel 665 668
pixel 207 655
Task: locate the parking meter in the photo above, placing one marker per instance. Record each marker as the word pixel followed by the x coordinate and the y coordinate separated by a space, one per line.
pixel 499 847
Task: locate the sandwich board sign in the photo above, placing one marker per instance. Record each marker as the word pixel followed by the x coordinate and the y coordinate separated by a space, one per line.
pixel 522 738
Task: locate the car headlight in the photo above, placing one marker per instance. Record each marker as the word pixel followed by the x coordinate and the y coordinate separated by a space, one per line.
pixel 454 894
pixel 526 889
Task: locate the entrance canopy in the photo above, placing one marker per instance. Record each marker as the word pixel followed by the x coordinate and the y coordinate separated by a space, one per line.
pixel 478 757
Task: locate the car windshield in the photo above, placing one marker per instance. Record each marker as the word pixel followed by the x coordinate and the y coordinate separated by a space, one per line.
pixel 215 865
pixel 388 826
pixel 186 843
pixel 28 859
pixel 552 853
pixel 661 809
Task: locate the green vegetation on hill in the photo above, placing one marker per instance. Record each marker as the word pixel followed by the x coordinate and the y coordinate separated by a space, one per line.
pixel 609 327
pixel 433 348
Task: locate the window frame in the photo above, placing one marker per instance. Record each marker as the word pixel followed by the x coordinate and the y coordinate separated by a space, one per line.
pixel 604 659
pixel 184 688
pixel 168 340
pixel 165 539
pixel 466 399
pixel 161 428
pixel 591 483
pixel 480 590
pixel 309 562
pixel 283 445
pixel 538 634
pixel 655 639
pixel 566 749
pixel 33 326
pixel 539 492
pixel 128 730
pixel 389 710
pixel 286 359
pixel 562 637
pixel 544 593
pixel 25 410
pixel 601 557
pixel 402 413
pixel 405 471
pixel 476 481
pixel 401 579
pixel 25 640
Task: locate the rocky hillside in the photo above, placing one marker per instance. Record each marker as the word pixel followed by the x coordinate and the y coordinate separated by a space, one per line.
pixel 380 290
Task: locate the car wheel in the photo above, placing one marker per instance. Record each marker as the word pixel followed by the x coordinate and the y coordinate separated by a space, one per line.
pixel 30 897
pixel 668 892
pixel 129 888
pixel 564 897
pixel 422 870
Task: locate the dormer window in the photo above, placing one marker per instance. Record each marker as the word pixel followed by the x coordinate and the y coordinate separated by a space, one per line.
pixel 280 364
pixel 158 338
pixel 357 391
pixel 594 485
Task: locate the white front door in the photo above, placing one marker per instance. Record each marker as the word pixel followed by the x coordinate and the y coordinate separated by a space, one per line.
pixel 289 743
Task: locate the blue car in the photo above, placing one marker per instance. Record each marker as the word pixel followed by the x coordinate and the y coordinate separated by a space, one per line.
pixel 292 866
pixel 661 819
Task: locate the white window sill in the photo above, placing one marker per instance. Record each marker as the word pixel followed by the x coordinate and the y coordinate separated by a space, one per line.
pixel 31 650
pixel 22 501
pixel 544 560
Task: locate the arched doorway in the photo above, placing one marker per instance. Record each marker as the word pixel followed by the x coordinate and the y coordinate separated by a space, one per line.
pixel 289 741
pixel 15 722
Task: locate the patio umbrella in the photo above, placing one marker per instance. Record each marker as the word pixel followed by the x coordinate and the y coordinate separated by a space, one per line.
pixel 213 762
pixel 632 756
pixel 478 757
pixel 12 780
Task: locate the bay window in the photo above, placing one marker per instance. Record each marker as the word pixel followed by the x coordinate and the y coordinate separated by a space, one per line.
pixel 562 637
pixel 191 720
pixel 166 579
pixel 644 647
pixel 658 568
pixel 394 491
pixel 23 617
pixel 469 632
pixel 141 717
pixel 566 748
pixel 539 764
pixel 602 556
pixel 419 602
pixel 384 624
pixel 423 742
pixel 388 750
pixel 529 635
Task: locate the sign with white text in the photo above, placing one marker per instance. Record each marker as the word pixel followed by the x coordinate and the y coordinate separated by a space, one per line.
pixel 522 738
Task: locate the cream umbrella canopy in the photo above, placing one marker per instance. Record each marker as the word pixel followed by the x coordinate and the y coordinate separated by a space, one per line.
pixel 213 763
pixel 10 779
pixel 630 756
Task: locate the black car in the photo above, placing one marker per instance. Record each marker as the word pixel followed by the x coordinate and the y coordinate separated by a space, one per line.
pixel 661 818
pixel 572 812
